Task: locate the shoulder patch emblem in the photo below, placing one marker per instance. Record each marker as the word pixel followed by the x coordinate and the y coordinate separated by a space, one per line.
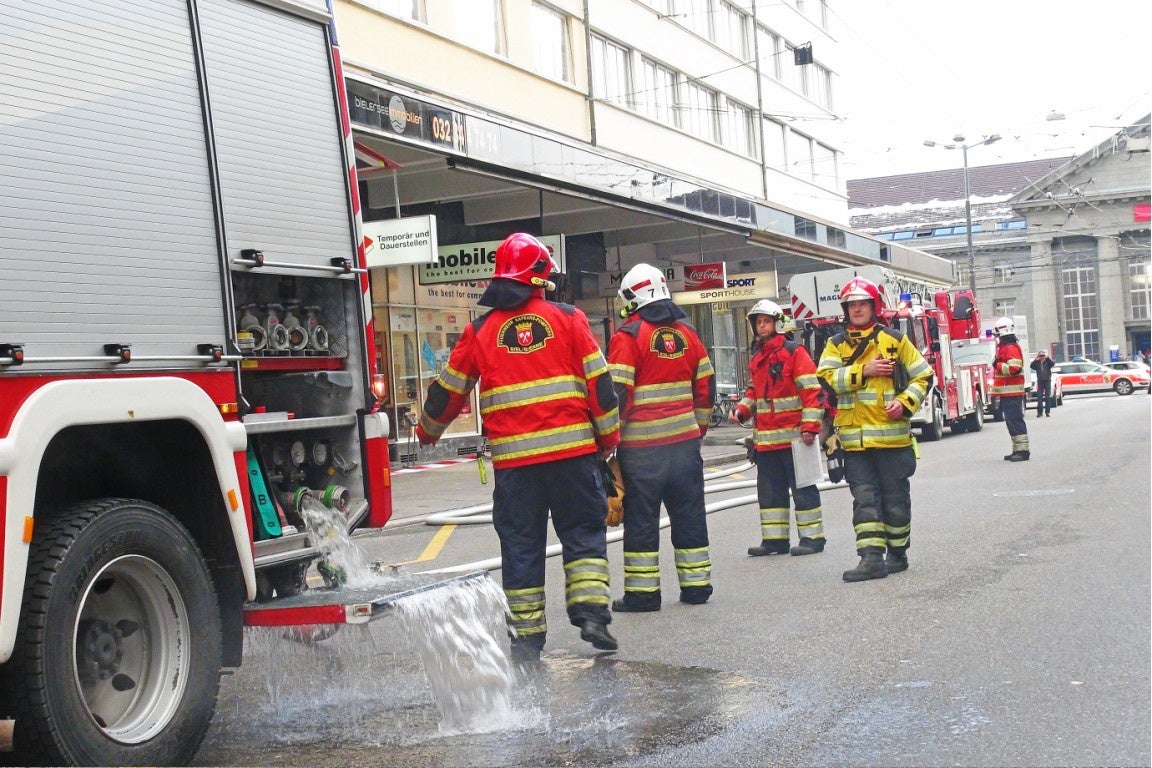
pixel 524 333
pixel 668 343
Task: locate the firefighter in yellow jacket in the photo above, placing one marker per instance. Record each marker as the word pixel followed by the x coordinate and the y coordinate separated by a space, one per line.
pixel 550 411
pixel 880 380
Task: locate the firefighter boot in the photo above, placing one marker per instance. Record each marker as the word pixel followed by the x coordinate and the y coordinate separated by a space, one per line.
pixel 637 602
pixel 524 652
pixel 871 566
pixel 695 595
pixel 1019 456
pixel 897 560
pixel 808 547
pixel 770 547
pixel 597 633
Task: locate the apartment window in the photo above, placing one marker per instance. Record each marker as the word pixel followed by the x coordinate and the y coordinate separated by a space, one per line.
pixel 1139 287
pixel 696 15
pixel 774 154
pixel 821 90
pixel 611 72
pixel 739 135
pixel 791 75
pixel 405 9
pixel 732 31
pixel 699 112
pixel 768 44
pixel 657 98
pixel 1003 307
pixel 1002 273
pixel 551 43
pixel 800 160
pixel 480 24
pixel 824 167
pixel 1081 313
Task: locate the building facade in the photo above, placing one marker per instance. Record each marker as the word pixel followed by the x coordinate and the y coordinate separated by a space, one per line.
pixel 1063 242
pixel 675 132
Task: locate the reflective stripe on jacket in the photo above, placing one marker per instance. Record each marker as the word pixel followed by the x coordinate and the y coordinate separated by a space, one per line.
pixel 861 420
pixel 784 395
pixel 1008 369
pixel 664 381
pixel 545 391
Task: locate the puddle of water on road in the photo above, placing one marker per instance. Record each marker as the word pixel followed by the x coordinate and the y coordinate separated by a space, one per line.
pixel 365 700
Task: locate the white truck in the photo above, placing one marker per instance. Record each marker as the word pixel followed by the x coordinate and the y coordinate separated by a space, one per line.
pixel 184 355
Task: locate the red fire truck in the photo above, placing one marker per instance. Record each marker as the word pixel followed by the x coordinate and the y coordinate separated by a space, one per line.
pixel 942 328
pixel 184 355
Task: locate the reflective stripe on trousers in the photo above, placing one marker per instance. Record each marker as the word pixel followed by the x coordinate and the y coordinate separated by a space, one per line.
pixel 881 496
pixel 672 475
pixel 775 476
pixel 521 501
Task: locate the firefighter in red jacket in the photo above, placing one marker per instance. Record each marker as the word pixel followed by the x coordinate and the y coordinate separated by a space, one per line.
pixel 786 402
pixel 550 412
pixel 1008 383
pixel 666 387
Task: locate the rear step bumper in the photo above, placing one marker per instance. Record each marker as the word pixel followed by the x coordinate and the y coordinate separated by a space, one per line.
pixel 348 606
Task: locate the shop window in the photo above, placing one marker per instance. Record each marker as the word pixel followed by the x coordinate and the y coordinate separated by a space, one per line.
pixel 438 332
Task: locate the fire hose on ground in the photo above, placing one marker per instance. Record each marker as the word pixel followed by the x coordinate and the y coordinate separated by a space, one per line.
pixel 482 514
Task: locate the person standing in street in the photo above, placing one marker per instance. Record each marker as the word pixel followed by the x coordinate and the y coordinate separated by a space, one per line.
pixel 880 380
pixel 550 413
pixel 666 386
pixel 1008 383
pixel 785 402
pixel 1043 366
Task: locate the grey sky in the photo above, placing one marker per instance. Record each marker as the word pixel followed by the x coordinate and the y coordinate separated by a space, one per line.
pixel 923 69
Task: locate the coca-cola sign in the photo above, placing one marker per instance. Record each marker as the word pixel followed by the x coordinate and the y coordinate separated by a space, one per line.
pixel 704 277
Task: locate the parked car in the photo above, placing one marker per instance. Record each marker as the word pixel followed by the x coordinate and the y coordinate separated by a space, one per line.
pixel 1128 365
pixel 1094 377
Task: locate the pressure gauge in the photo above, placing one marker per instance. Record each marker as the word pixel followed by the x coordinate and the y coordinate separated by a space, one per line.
pixel 297 454
pixel 320 453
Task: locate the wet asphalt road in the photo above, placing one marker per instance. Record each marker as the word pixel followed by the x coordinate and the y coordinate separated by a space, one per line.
pixel 1019 636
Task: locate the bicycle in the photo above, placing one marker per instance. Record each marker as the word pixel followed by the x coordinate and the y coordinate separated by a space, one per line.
pixel 723 409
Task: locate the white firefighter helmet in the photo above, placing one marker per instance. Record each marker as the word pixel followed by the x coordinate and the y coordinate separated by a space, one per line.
pixel 769 308
pixel 1004 326
pixel 642 285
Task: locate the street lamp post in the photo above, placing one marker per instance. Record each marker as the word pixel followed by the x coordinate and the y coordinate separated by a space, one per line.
pixel 958 140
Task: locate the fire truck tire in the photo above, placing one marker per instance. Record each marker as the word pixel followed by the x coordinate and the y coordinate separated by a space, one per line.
pixel 934 429
pixel 118 654
pixel 974 422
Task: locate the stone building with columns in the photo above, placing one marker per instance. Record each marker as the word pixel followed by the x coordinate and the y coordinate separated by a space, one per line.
pixel 1063 242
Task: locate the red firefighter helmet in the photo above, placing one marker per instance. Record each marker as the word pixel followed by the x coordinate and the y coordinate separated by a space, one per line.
pixel 861 289
pixel 523 258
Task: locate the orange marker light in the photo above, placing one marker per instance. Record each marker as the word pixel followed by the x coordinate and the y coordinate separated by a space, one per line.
pixel 29 524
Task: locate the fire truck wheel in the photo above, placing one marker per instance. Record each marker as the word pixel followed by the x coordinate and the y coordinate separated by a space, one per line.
pixel 975 421
pixel 934 429
pixel 118 653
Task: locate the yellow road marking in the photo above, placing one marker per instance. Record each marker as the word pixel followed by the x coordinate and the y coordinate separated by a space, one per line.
pixel 438 541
